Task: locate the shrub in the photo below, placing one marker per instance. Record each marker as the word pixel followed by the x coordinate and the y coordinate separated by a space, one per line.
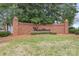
pixel 72 30
pixel 77 31
pixel 4 34
pixel 41 32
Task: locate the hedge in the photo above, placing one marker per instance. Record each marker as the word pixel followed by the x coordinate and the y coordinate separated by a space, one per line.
pixel 42 32
pixel 4 34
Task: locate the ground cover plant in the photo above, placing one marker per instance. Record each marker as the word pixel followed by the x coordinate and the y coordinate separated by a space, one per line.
pixel 4 34
pixel 42 45
pixel 73 30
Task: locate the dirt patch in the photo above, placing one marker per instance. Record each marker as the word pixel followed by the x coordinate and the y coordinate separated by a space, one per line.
pixel 9 38
pixel 3 44
pixel 5 39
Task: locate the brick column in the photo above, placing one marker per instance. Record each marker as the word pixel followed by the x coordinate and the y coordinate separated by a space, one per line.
pixel 66 26
pixel 15 26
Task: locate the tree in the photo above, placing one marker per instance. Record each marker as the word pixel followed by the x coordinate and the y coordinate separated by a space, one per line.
pixel 67 11
pixel 37 13
pixel 7 12
pixel 57 12
pixel 4 12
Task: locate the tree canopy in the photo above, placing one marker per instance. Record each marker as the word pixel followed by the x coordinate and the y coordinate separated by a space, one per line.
pixel 46 13
pixel 38 13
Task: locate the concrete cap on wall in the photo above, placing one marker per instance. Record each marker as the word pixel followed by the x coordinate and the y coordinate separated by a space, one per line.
pixel 15 18
pixel 66 20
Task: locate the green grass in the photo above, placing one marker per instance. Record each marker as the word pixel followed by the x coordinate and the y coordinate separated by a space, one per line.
pixel 42 45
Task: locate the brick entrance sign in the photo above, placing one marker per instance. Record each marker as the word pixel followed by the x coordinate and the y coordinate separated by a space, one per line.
pixel 26 28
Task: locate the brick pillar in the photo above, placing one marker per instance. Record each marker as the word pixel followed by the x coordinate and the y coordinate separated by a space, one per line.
pixel 15 26
pixel 66 26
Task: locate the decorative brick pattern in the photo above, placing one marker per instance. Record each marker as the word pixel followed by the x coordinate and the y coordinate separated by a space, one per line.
pixel 26 28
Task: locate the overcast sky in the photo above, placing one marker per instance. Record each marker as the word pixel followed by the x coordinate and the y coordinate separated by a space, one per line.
pixel 76 21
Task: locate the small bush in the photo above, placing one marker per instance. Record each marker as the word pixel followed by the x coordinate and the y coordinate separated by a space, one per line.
pixel 77 31
pixel 72 30
pixel 41 32
pixel 4 34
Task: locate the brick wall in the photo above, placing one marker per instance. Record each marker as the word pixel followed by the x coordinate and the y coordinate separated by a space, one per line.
pixel 26 28
pixel 15 26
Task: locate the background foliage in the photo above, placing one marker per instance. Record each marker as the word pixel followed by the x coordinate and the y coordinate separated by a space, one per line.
pixel 37 13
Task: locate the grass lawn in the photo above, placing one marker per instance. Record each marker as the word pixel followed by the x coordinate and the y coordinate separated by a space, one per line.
pixel 42 45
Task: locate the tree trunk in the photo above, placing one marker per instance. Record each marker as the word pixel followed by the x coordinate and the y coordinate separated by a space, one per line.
pixel 5 25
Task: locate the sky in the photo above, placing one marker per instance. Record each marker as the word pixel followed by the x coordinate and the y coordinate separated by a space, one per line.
pixel 76 21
